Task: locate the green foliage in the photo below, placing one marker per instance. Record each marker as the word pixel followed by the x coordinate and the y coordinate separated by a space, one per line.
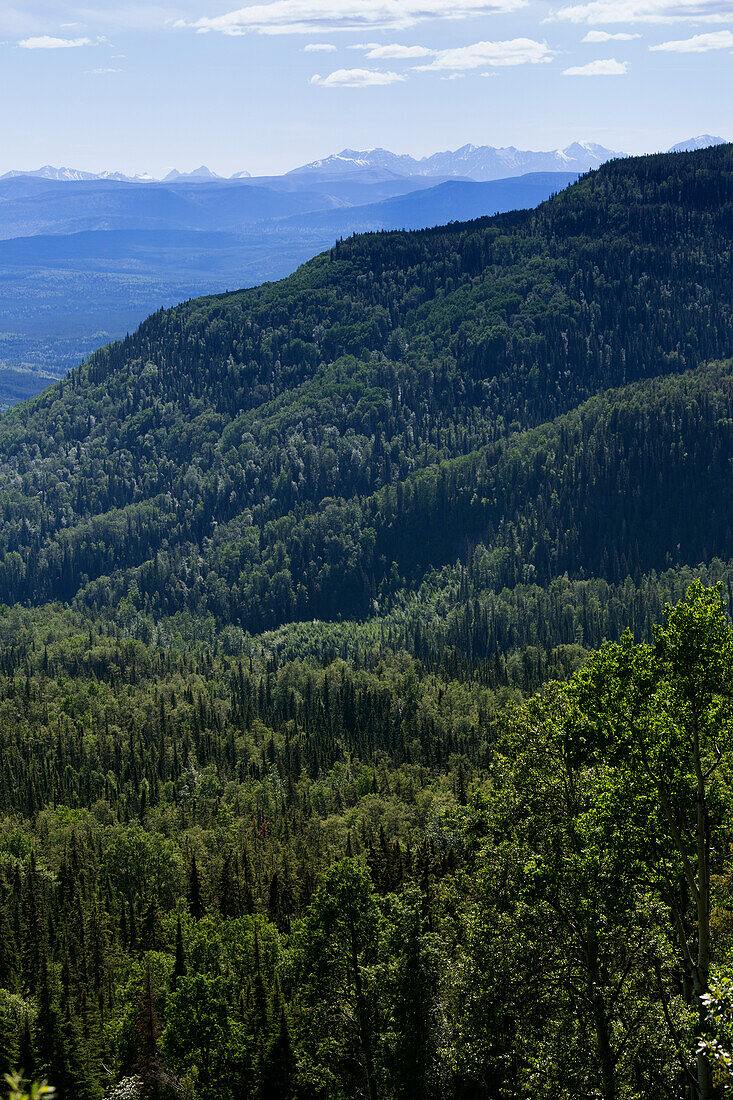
pixel 21 1090
pixel 361 755
pixel 717 1044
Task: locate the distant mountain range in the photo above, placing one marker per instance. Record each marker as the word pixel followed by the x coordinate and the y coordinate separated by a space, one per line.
pixel 75 175
pixel 481 162
pixel 470 162
pixel 474 162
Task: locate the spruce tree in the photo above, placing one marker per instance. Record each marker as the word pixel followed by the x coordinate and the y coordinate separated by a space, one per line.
pixel 26 1054
pixel 148 1063
pixel 179 967
pixel 277 1081
pixel 62 1053
pixel 194 891
pixel 8 1043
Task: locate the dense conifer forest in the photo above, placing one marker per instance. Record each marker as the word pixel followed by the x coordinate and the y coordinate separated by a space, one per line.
pixel 366 673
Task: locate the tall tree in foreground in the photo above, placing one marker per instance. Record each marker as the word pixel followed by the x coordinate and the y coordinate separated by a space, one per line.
pixel 552 997
pixel 664 715
pixel 594 855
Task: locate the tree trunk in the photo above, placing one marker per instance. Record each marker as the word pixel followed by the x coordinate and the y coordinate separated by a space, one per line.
pixel 364 1037
pixel 701 975
pixel 600 1020
pixel 603 1039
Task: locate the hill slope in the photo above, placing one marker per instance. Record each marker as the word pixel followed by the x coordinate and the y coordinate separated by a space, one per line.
pixel 234 442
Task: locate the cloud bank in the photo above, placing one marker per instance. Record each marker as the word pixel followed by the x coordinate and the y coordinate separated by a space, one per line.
pixel 647 11
pixel 314 16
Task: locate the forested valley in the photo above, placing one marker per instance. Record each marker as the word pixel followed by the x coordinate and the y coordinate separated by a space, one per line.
pixel 366 673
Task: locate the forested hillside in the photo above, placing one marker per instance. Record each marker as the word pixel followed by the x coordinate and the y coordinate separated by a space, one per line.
pixel 328 768
pixel 242 444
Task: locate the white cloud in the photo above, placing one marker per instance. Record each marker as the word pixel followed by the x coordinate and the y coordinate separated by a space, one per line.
pixel 100 72
pixel 699 43
pixel 647 11
pixel 314 16
pixel 48 42
pixel 356 78
pixel 515 51
pixel 604 36
pixel 319 47
pixel 399 53
pixel 608 67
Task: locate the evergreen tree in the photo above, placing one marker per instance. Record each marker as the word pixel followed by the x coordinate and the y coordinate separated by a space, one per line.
pixel 155 1082
pixel 9 1047
pixel 194 891
pixel 179 966
pixel 277 1079
pixel 26 1053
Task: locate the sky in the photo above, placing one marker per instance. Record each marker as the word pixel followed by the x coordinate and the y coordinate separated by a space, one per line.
pixel 132 86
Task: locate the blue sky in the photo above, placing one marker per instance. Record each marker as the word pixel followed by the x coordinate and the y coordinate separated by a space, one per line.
pixel 137 86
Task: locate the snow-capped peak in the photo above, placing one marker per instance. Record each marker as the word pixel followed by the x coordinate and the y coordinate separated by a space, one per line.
pixel 702 141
